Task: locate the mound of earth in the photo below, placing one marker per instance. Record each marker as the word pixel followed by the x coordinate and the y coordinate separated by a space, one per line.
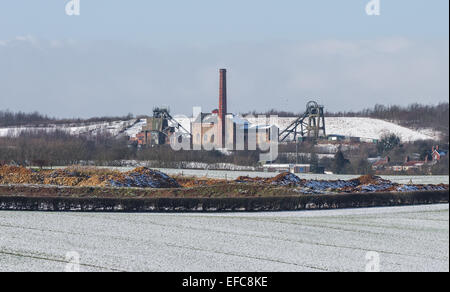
pixel 15 175
pixel 78 176
pixel 283 179
pixel 370 180
pixel 143 177
pixel 363 184
pixel 10 169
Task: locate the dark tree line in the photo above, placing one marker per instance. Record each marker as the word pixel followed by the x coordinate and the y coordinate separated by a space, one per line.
pixel 40 148
pixel 166 157
pixel 60 148
pixel 9 119
pixel 273 112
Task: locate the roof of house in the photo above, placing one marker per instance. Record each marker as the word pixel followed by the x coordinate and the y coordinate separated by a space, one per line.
pixel 380 162
pixel 440 151
pixel 206 118
pixel 335 135
pixel 413 163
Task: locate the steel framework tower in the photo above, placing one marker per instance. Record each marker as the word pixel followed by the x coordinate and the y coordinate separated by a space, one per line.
pixel 311 124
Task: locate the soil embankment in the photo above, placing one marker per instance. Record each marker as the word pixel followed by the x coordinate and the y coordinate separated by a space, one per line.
pixel 144 190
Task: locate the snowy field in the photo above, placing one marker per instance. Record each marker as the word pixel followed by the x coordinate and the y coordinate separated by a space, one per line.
pixel 406 239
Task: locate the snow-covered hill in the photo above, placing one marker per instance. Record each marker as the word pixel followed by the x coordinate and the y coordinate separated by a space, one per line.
pixel 113 128
pixel 364 128
pixel 373 129
pixel 367 128
pixel 355 127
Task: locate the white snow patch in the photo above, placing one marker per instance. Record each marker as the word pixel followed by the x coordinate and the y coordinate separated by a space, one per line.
pixel 114 128
pixel 366 128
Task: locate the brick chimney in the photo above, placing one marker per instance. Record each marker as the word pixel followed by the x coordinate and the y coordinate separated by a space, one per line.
pixel 222 105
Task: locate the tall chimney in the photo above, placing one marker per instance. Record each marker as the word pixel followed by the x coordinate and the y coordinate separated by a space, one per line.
pixel 222 105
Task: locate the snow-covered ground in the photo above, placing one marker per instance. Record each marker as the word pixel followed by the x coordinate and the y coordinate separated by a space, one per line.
pixel 371 129
pixel 113 128
pixel 136 128
pixel 430 132
pixel 355 127
pixel 367 128
pixel 414 238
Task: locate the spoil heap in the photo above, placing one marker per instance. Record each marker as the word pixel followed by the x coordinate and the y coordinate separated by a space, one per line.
pixel 143 177
pixel 192 182
pixel 79 176
pixel 363 184
pixel 283 179
pixel 16 175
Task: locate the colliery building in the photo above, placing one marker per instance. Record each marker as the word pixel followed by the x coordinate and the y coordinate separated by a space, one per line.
pixel 222 130
pixel 157 131
pixel 217 129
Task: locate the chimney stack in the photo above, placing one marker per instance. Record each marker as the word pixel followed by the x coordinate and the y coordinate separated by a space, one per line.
pixel 222 105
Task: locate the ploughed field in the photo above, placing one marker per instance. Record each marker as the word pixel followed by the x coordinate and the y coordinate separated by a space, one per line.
pixel 145 182
pixel 413 238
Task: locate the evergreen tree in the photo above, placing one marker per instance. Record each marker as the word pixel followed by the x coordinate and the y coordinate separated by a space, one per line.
pixel 340 162
pixel 387 143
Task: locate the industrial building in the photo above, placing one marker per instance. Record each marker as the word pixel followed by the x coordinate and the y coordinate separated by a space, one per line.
pixel 209 128
pixel 293 168
pixel 217 129
pixel 222 130
pixel 158 130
